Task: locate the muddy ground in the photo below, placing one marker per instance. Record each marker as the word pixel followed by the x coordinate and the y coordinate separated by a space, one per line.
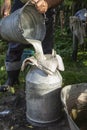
pixel 13 114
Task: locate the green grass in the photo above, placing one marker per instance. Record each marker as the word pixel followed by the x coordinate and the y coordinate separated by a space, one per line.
pixel 75 72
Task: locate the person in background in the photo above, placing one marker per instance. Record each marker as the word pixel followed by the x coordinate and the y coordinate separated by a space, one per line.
pixel 15 50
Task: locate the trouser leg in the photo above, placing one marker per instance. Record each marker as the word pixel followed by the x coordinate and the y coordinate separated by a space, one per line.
pixel 48 42
pixel 13 65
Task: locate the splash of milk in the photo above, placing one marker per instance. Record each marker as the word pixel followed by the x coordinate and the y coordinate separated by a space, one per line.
pixel 38 48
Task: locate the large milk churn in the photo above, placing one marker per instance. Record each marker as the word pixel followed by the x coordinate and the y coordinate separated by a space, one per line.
pixel 43 104
pixel 43 96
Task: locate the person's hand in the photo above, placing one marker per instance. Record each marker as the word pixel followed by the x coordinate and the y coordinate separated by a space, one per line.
pixel 5 8
pixel 41 5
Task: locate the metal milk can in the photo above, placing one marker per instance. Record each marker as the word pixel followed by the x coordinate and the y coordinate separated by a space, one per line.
pixel 43 96
pixel 43 103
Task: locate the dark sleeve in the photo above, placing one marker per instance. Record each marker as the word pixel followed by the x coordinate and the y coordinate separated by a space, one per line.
pixel 53 3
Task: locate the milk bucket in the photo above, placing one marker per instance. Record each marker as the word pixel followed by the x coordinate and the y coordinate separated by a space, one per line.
pixel 24 23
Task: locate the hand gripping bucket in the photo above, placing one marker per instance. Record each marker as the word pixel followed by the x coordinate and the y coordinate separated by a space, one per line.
pixel 74 98
pixel 24 23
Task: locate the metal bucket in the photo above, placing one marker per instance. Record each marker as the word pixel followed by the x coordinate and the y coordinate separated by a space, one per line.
pixel 74 99
pixel 43 103
pixel 24 23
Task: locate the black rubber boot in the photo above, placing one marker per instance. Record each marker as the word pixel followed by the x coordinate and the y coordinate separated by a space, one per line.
pixel 12 79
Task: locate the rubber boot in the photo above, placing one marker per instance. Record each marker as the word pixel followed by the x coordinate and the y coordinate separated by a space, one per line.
pixel 12 79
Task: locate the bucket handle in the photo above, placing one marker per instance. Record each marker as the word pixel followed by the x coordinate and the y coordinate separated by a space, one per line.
pixel 29 2
pixel 33 3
